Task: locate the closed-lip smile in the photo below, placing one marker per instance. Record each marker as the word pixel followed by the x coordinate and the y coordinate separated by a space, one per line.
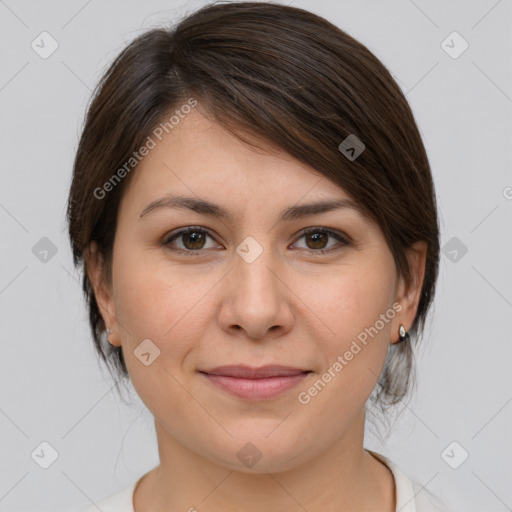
pixel 255 383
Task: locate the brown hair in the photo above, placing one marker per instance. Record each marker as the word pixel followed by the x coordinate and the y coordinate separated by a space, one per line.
pixel 286 76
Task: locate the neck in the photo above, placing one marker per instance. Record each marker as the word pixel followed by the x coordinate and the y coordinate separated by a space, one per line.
pixel 344 477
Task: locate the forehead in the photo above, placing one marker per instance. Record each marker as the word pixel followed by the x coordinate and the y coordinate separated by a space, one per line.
pixel 201 158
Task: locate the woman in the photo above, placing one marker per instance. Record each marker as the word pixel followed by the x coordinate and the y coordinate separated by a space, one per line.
pixel 254 209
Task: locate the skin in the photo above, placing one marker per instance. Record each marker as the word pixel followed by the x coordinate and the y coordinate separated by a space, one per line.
pixel 290 306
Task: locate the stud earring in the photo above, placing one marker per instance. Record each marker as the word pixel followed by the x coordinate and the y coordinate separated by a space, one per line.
pixel 403 334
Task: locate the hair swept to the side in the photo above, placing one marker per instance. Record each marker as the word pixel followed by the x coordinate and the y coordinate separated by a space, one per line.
pixel 284 75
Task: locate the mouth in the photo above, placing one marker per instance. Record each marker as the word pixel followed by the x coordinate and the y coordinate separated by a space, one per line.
pixel 255 383
pixel 249 372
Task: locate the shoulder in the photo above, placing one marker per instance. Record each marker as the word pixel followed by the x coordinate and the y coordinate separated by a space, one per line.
pixel 121 501
pixel 410 495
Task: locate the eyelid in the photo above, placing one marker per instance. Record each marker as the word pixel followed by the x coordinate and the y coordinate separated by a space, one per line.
pixel 342 238
pixel 337 234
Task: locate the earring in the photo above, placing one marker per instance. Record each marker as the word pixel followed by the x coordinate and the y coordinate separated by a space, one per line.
pixel 403 334
pixel 109 332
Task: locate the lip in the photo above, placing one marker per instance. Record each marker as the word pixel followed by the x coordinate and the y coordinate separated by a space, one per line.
pixel 249 372
pixel 255 383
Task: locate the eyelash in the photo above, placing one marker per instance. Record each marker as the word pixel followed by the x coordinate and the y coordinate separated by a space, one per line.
pixel 193 229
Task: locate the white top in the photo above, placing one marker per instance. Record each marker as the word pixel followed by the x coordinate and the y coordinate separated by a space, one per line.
pixel 410 495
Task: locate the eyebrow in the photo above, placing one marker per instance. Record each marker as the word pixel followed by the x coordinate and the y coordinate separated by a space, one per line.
pixel 204 207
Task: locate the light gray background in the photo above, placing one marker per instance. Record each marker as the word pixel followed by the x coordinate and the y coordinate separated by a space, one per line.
pixel 51 385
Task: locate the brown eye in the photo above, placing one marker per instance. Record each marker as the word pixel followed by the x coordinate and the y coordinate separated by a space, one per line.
pixel 192 239
pixel 318 238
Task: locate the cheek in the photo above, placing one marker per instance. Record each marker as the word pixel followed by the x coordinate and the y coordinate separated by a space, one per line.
pixel 165 304
pixel 154 295
pixel 352 300
pixel 350 303
pixel 153 304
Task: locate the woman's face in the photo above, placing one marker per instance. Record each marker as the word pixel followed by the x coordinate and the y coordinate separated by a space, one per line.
pixel 249 288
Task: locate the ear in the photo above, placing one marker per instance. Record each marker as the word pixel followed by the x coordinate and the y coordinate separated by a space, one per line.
pixel 93 262
pixel 409 296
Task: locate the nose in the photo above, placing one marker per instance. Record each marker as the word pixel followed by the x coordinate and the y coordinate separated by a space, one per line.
pixel 256 299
